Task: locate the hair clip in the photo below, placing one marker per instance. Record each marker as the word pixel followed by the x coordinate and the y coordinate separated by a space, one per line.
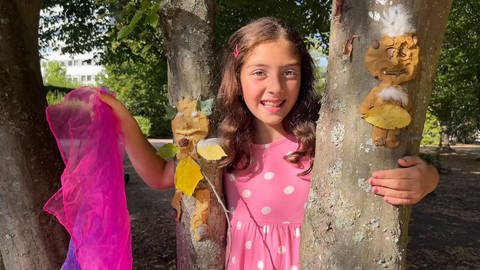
pixel 236 52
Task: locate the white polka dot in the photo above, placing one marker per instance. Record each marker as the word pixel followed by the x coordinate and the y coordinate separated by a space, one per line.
pixel 232 210
pixel 288 190
pixel 231 177
pixel 293 267
pixel 297 232
pixel 266 210
pixel 286 222
pixel 282 249
pixel 248 245
pixel 246 193
pixel 239 225
pixel 268 175
pixel 260 265
pixel 234 259
pixel 266 228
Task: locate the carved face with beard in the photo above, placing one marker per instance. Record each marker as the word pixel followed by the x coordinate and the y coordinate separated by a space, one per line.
pixel 393 59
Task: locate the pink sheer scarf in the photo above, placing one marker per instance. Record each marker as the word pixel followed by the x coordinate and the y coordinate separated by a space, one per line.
pixel 91 203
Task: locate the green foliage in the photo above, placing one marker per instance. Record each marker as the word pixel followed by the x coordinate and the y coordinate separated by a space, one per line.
pixel 310 17
pixel 81 25
pixel 142 90
pixel 55 74
pixel 456 96
pixel 206 106
pixel 54 97
pixel 135 64
pixel 317 51
pixel 431 131
pixel 167 151
pixel 144 124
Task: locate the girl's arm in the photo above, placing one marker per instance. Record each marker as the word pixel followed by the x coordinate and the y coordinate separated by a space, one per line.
pixel 405 185
pixel 154 171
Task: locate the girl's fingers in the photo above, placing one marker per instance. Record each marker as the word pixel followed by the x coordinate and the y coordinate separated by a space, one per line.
pixel 400 173
pixel 396 184
pixel 409 161
pixel 397 196
pixel 107 99
pixel 117 106
pixel 397 201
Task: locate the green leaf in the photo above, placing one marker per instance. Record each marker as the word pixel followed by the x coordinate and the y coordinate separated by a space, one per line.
pixel 146 48
pixel 126 30
pixel 153 16
pixel 206 106
pixel 170 112
pixel 167 151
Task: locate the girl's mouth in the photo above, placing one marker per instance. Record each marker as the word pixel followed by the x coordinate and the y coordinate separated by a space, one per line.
pixel 271 103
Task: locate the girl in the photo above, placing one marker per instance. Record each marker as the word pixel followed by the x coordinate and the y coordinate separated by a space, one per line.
pixel 269 107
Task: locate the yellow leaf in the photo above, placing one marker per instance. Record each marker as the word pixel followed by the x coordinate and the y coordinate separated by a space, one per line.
pixel 210 149
pixel 187 175
pixel 388 116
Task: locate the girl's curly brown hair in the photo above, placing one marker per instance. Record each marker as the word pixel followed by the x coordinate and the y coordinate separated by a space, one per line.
pixel 236 128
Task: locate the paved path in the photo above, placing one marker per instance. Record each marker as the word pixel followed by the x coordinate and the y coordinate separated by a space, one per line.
pixel 153 226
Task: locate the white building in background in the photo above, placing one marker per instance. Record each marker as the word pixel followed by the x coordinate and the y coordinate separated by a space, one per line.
pixel 79 68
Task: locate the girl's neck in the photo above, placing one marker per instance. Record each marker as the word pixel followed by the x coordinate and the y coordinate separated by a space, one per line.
pixel 267 134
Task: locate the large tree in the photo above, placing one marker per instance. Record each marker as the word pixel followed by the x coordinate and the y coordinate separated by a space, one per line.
pixel 346 226
pixel 31 166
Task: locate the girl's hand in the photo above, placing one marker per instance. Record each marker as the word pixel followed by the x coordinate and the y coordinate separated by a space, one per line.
pixel 405 185
pixel 118 108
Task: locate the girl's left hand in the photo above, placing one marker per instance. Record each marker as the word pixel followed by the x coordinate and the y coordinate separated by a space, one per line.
pixel 405 185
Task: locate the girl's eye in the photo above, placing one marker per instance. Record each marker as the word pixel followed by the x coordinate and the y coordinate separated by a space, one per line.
pixel 258 73
pixel 290 73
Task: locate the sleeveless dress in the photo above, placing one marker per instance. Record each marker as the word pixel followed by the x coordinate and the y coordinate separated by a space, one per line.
pixel 267 204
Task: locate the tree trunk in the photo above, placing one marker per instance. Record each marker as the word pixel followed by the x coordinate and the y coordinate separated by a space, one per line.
pixel 2 267
pixel 30 165
pixel 188 26
pixel 346 226
pixel 444 140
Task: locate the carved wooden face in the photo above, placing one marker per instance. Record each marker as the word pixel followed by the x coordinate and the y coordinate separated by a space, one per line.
pixel 189 125
pixel 393 59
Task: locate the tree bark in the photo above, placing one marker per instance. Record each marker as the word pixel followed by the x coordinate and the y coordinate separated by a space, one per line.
pixel 346 226
pixel 30 167
pixel 188 26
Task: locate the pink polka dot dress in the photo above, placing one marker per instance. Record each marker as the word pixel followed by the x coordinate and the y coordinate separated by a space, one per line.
pixel 267 203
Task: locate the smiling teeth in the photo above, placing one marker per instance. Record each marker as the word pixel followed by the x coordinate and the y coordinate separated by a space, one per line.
pixel 272 104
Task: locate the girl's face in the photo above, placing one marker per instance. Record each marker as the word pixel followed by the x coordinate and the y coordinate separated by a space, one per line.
pixel 270 79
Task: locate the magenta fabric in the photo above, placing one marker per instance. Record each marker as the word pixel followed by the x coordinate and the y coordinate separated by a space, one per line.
pixel 267 204
pixel 91 203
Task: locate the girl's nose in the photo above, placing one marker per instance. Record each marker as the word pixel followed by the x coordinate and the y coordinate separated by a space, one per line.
pixel 275 84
